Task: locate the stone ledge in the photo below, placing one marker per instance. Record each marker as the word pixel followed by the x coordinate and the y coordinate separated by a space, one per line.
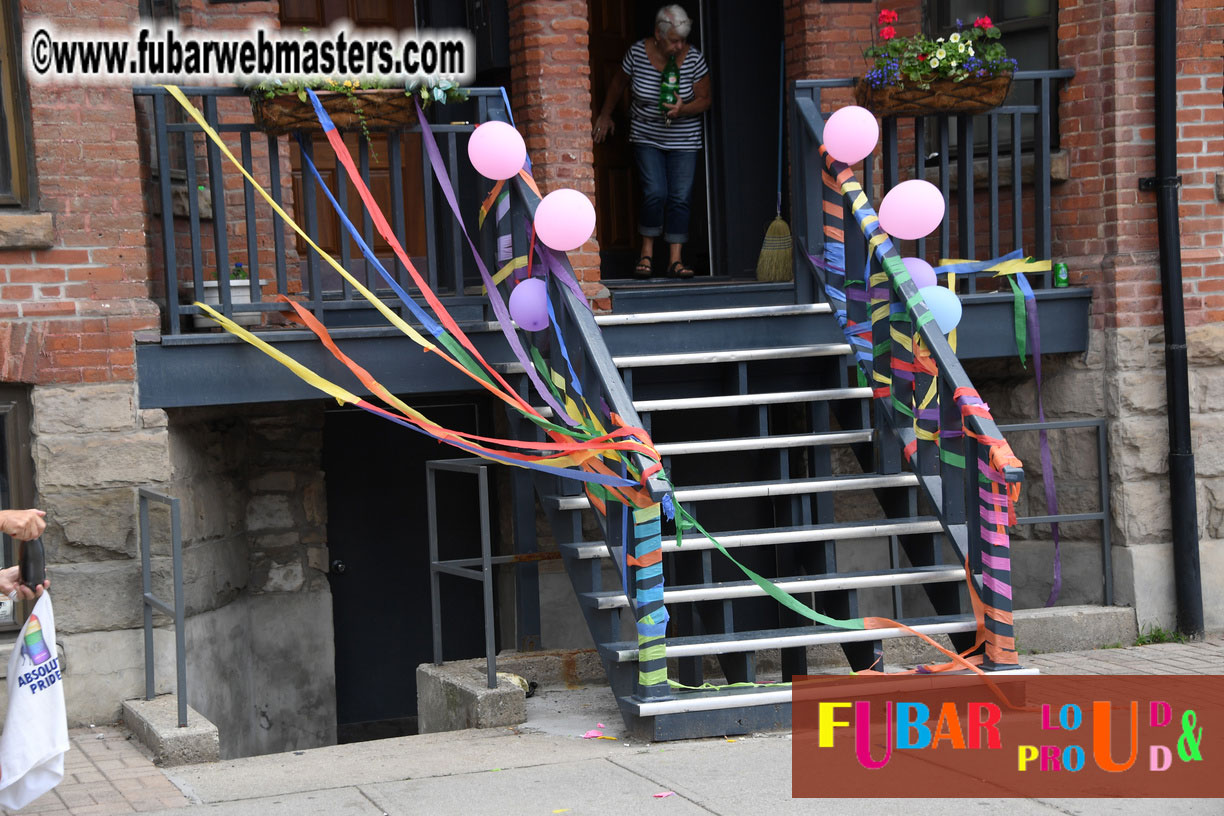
pixel 455 696
pixel 155 724
pixel 27 230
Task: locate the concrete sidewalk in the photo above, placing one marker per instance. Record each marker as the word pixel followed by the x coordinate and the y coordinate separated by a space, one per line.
pixel 545 767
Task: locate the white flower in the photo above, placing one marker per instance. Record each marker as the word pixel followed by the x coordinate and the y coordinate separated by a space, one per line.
pixel 960 48
pixel 954 38
pixel 953 63
pixel 940 53
pixel 940 40
pixel 934 63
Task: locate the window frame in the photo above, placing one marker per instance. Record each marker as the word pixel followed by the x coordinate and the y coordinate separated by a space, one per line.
pixel 18 136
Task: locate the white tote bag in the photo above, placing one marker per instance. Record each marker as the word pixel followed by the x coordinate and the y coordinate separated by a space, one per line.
pixel 35 736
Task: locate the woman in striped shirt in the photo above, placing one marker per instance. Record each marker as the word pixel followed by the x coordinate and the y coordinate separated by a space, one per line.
pixel 665 138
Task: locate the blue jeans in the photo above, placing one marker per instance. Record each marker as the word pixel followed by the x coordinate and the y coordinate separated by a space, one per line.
pixel 666 177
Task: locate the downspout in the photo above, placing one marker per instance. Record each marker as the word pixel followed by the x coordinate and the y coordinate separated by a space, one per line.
pixel 1187 580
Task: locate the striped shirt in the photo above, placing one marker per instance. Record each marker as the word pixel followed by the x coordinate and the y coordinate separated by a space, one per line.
pixel 647 124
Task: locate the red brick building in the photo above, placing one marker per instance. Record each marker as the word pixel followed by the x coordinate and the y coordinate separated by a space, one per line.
pixel 81 285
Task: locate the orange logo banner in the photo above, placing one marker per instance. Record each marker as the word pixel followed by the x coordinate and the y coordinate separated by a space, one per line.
pixel 954 736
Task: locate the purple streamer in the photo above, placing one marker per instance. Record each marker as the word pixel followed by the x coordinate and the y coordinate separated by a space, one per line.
pixel 1047 467
pixel 495 298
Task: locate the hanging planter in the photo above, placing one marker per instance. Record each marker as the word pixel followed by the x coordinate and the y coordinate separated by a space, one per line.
pixel 373 109
pixel 971 95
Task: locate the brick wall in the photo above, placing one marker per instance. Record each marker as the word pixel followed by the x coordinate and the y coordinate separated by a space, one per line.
pixel 1103 223
pixel 551 96
pixel 70 312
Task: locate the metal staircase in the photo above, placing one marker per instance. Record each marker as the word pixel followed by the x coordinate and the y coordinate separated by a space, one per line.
pixel 811 462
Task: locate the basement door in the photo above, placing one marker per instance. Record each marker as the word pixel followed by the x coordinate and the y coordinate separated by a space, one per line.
pixel 378 540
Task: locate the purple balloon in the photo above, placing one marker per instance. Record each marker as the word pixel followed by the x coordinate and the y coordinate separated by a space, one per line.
pixel 497 150
pixel 912 209
pixel 920 272
pixel 529 304
pixel 851 134
pixel 565 219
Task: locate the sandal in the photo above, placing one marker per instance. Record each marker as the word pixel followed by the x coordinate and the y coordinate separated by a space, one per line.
pixel 644 268
pixel 679 270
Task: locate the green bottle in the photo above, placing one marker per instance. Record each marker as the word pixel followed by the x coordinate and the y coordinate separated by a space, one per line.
pixel 669 87
pixel 1061 278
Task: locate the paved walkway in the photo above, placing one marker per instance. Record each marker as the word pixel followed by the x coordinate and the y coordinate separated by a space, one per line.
pixel 542 767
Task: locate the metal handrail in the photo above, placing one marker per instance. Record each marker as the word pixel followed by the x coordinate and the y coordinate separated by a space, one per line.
pixel 149 602
pixel 897 327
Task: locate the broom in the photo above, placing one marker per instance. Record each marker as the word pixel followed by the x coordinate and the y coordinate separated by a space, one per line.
pixel 776 263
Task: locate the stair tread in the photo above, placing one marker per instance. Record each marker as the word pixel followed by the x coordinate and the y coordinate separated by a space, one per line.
pixel 690 315
pixel 748 490
pixel 611 599
pixel 732 355
pixel 763 442
pixel 735 400
pixel 775 535
pixel 757 639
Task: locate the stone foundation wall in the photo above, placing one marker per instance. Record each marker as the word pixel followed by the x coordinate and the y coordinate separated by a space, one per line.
pixel 253 512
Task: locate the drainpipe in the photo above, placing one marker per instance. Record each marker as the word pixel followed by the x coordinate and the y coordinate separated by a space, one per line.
pixel 1187 578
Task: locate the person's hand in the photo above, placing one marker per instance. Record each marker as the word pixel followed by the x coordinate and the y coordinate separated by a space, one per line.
pixel 672 111
pixel 23 525
pixel 10 585
pixel 604 127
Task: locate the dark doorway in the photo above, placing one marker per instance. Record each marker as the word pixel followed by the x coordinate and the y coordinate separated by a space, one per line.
pixel 735 196
pixel 377 529
pixel 616 25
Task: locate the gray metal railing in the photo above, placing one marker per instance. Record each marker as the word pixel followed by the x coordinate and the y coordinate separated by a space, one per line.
pixel 925 408
pixel 149 602
pixel 209 233
pixel 1102 516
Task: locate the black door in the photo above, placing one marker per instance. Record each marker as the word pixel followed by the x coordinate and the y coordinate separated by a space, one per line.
pixel 377 528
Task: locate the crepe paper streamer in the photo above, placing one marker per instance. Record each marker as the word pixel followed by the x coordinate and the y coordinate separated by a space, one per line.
pixel 592 734
pixel 664 794
pixel 495 300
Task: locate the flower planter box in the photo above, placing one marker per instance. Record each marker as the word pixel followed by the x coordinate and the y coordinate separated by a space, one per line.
pixel 973 95
pixel 240 292
pixel 380 108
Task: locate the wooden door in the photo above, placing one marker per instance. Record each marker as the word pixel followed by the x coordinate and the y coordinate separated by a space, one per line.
pixel 397 15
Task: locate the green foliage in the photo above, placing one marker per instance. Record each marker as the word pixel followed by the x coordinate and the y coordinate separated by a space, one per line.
pixel 1157 634
pixel 918 60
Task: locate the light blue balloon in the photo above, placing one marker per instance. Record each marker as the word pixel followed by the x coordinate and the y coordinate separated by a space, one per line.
pixel 944 304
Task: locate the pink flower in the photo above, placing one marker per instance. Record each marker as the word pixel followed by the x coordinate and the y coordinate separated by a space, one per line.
pixel 983 22
pixel 887 33
pixel 887 17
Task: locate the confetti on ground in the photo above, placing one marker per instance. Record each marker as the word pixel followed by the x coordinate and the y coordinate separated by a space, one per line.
pixel 664 794
pixel 592 734
pixel 600 725
pixel 561 810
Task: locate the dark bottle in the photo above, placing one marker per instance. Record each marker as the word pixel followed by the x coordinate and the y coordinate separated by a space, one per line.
pixel 33 564
pixel 669 87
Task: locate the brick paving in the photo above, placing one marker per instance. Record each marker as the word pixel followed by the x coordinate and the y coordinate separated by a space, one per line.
pixel 108 772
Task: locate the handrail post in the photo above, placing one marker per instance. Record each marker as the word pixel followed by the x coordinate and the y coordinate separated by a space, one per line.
pixel 149 602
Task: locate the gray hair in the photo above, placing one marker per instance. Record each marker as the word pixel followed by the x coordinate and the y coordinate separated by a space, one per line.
pixel 673 16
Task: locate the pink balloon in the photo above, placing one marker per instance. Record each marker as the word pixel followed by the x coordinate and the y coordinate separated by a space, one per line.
pixel 851 134
pixel 565 219
pixel 912 209
pixel 920 272
pixel 497 150
pixel 529 304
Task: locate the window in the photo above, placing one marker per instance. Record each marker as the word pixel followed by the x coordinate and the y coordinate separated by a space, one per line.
pixel 16 157
pixel 1030 34
pixel 16 472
